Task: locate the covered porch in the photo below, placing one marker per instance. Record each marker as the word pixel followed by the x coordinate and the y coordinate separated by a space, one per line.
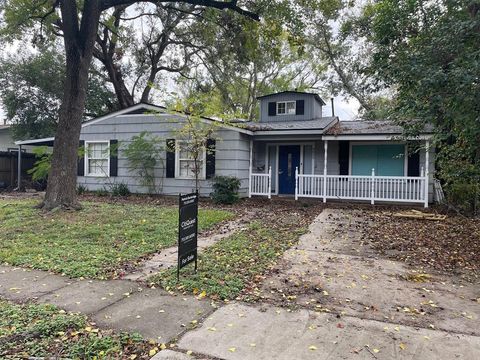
pixel 373 168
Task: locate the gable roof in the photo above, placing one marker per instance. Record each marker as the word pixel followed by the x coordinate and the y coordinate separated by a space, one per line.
pixel 316 96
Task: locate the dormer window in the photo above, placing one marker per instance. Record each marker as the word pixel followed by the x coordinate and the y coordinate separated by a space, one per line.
pixel 286 107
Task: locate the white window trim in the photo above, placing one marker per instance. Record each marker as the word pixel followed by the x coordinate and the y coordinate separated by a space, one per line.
pixel 287 102
pixel 203 173
pixel 86 173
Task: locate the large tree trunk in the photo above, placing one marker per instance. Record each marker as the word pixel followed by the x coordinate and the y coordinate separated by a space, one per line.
pixel 79 40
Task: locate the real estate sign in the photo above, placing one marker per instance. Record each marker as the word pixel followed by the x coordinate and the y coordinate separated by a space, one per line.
pixel 187 230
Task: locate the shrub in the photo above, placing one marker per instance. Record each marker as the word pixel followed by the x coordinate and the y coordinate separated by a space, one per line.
pixel 41 167
pixel 120 189
pixel 142 154
pixel 101 192
pixel 225 189
pixel 81 189
pixel 464 196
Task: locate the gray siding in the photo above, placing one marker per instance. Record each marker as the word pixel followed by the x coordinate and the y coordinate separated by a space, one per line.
pixel 6 140
pixel 313 109
pixel 231 156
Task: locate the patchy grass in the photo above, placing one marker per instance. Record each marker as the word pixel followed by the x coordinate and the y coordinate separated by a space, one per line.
pixel 232 264
pixel 96 242
pixel 44 330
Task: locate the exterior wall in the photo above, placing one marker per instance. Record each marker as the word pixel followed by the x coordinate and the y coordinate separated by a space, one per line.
pixel 231 155
pixel 313 109
pixel 6 140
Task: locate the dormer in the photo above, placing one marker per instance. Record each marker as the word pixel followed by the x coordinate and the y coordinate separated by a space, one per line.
pixel 290 106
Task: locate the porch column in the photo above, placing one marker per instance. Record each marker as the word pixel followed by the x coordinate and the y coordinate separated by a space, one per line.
pixel 250 170
pixel 325 157
pixel 427 170
pixel 19 168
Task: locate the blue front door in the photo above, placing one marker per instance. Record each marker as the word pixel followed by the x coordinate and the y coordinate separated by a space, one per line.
pixel 288 160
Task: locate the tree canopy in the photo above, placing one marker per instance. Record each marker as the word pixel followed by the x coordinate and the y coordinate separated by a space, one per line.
pixel 428 54
pixel 31 91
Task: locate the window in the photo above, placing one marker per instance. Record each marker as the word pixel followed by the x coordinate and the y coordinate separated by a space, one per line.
pixel 97 158
pixel 185 167
pixel 286 107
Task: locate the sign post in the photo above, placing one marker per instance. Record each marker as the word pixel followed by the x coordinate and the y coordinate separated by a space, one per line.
pixel 187 230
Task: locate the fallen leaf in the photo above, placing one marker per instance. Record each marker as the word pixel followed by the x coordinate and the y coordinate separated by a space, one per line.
pixel 312 347
pixel 232 349
pixel 402 346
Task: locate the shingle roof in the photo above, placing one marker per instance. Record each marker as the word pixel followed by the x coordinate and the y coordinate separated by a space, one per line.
pixel 368 127
pixel 316 124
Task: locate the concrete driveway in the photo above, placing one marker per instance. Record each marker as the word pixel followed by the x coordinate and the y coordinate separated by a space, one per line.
pixel 331 297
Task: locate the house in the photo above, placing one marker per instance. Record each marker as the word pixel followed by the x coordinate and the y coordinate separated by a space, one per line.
pixel 6 141
pixel 292 150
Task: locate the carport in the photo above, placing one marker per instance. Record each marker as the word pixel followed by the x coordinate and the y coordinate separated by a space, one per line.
pixel 36 142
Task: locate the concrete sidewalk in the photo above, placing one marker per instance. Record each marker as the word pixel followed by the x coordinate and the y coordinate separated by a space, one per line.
pixel 245 332
pixel 117 304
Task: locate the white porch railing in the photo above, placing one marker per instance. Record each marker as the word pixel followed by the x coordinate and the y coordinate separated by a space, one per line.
pixel 372 188
pixel 261 184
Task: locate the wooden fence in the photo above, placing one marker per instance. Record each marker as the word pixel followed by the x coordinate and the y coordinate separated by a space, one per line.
pixel 9 166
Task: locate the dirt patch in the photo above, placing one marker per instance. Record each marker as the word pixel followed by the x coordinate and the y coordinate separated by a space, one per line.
pixel 451 245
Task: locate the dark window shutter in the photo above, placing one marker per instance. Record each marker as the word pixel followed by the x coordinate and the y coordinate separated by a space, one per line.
pixel 210 157
pixel 113 158
pixel 170 166
pixel 272 108
pixel 81 161
pixel 300 107
pixel 343 156
pixel 413 166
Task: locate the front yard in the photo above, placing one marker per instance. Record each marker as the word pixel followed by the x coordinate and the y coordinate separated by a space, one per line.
pixel 45 330
pixel 96 242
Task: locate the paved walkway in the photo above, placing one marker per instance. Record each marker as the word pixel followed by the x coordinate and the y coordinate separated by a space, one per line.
pixel 168 257
pixel 252 333
pixel 117 304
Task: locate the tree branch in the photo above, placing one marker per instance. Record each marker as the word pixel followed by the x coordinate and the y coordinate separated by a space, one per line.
pixel 221 5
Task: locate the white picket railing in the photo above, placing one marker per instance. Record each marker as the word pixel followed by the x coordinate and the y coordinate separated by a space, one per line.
pixel 261 184
pixel 372 188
